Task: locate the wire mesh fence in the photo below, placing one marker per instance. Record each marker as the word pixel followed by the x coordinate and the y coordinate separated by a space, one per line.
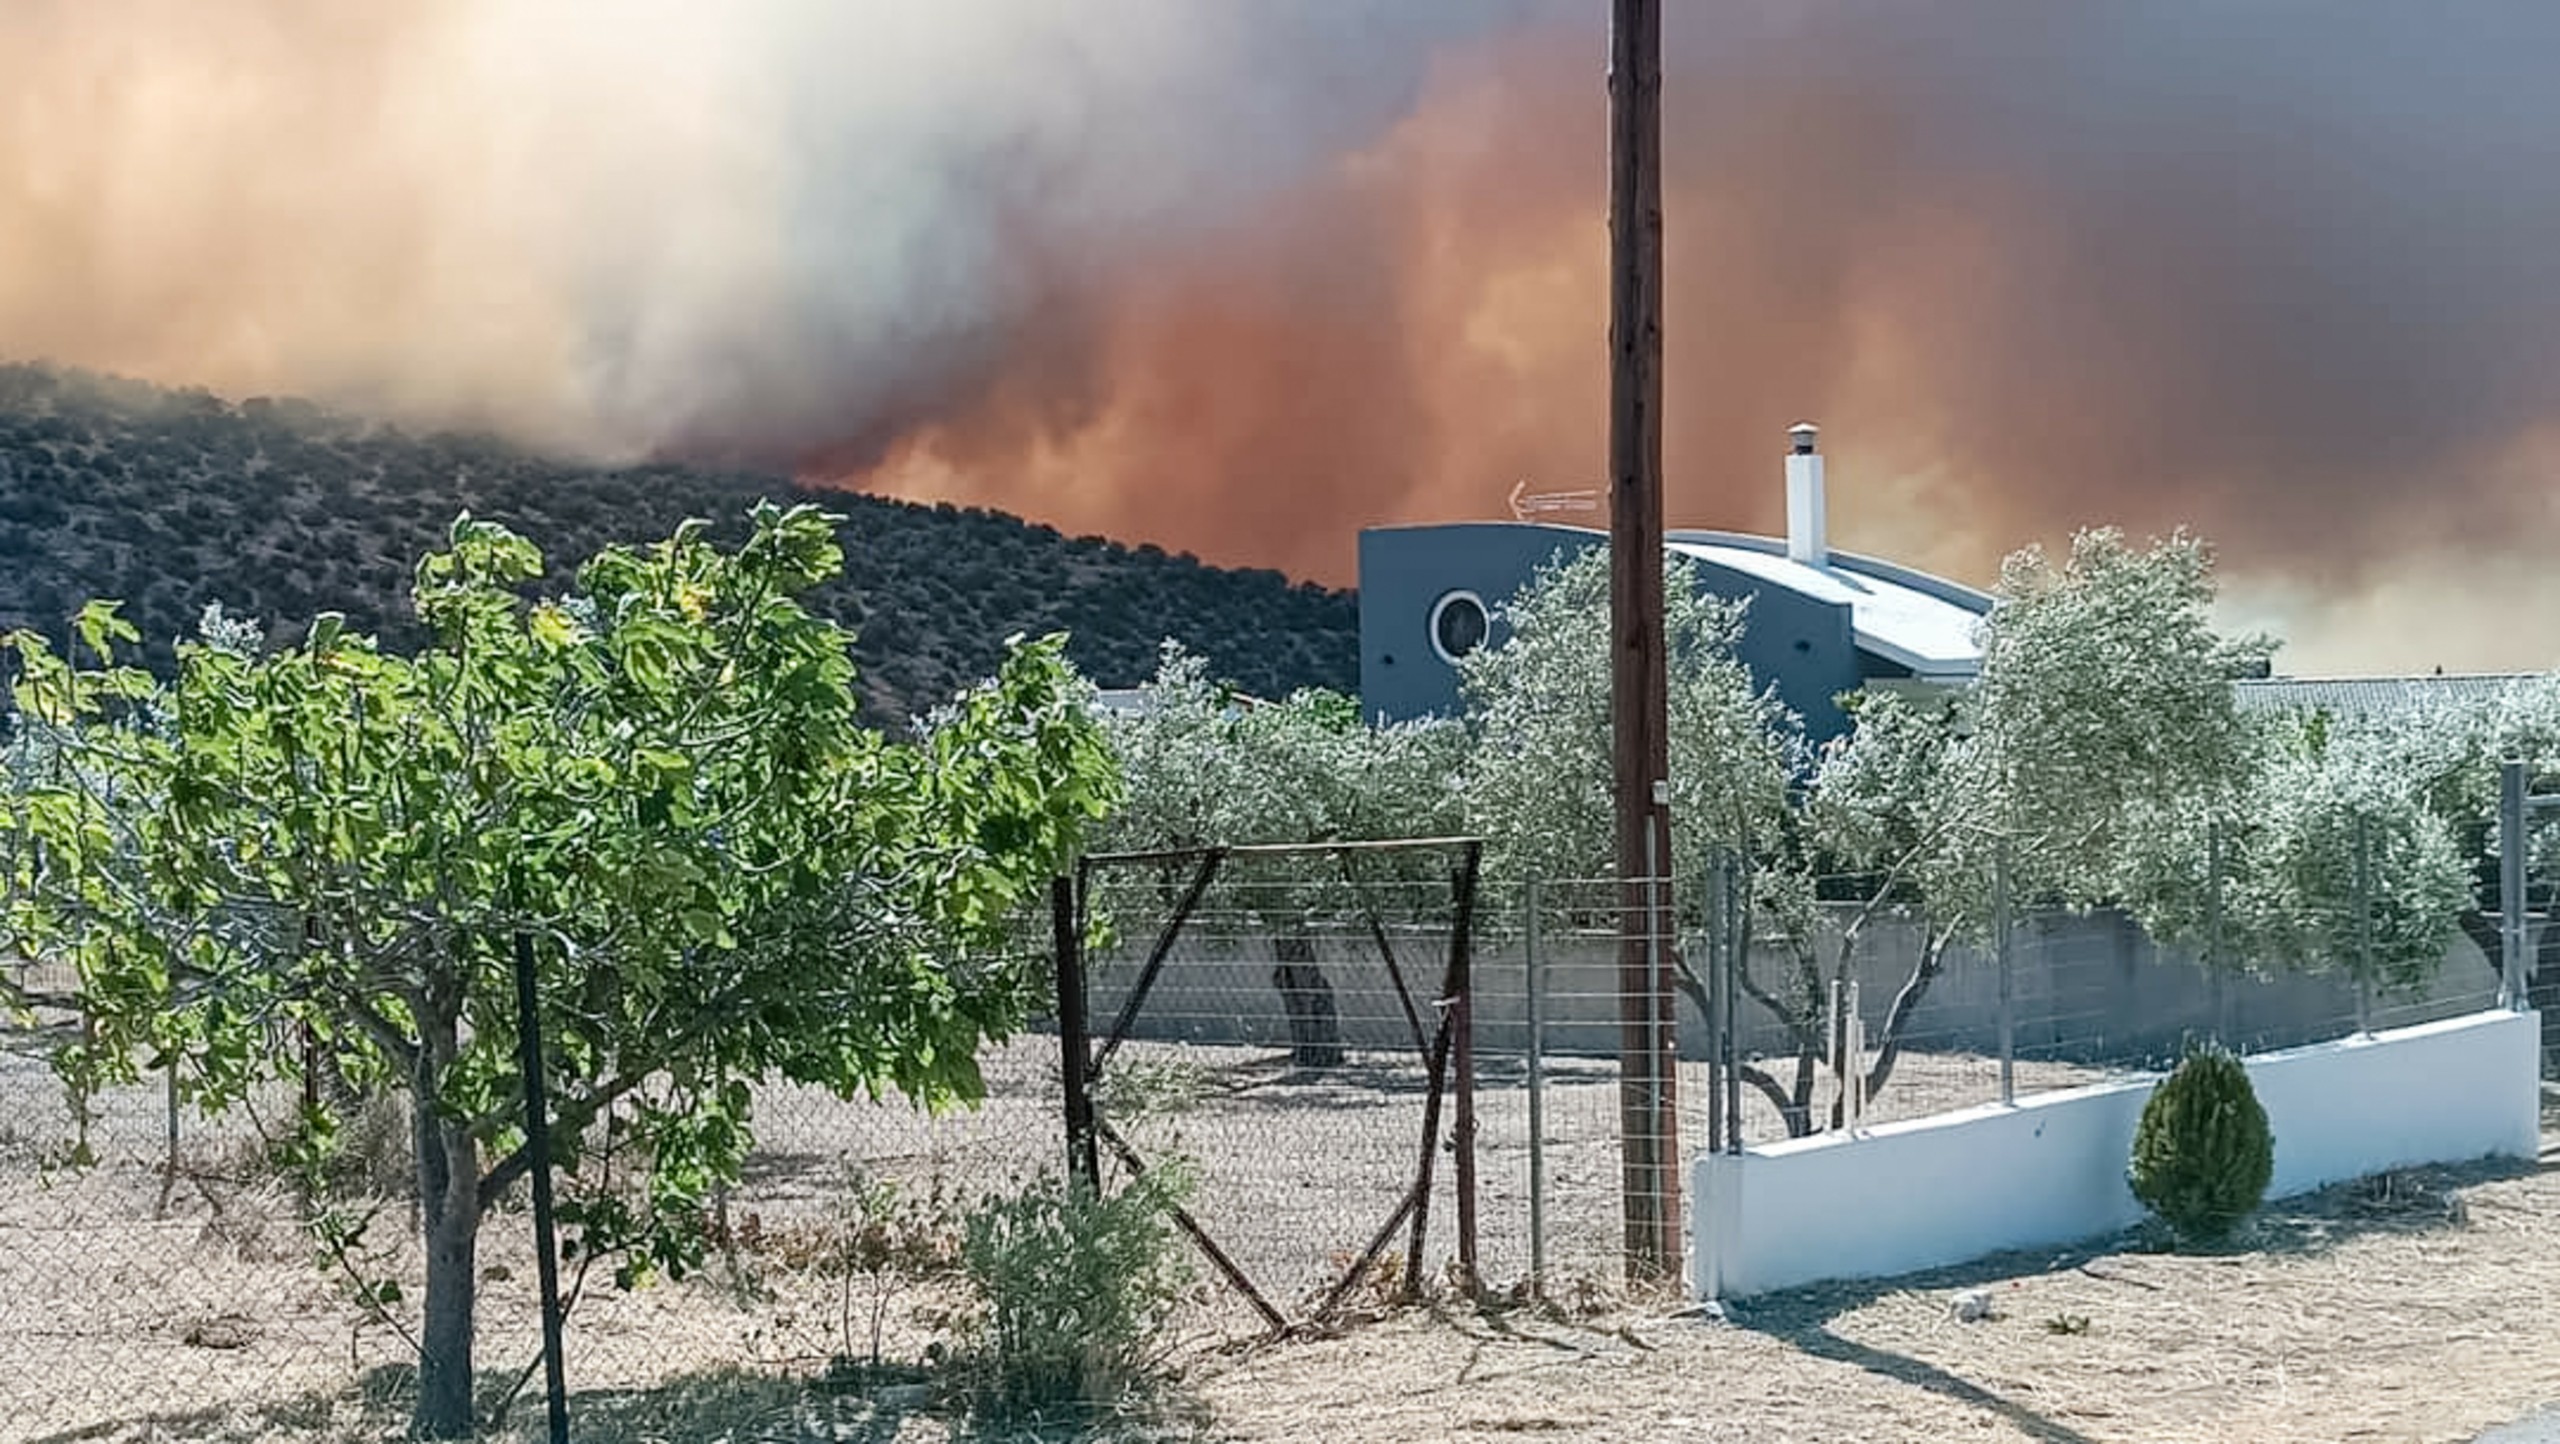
pixel 146 1251
pixel 1288 1027
pixel 1301 1050
pixel 1860 1010
pixel 1554 1027
pixel 167 1274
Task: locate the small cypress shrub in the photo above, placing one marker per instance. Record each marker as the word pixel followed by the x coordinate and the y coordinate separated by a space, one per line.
pixel 2203 1154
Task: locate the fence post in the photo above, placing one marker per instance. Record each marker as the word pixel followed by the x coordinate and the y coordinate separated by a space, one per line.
pixel 2511 890
pixel 169 1170
pixel 2364 924
pixel 1463 1059
pixel 1533 963
pixel 2000 955
pixel 1662 1068
pixel 2226 1011
pixel 537 1133
pixel 1840 1048
pixel 1853 1082
pixel 1735 892
pixel 1084 1164
pixel 1713 900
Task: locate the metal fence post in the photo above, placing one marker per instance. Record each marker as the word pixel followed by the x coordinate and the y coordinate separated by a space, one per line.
pixel 2000 955
pixel 1533 963
pixel 2511 890
pixel 1655 1113
pixel 537 1131
pixel 1840 1005
pixel 1712 897
pixel 1074 1047
pixel 2364 924
pixel 1735 890
pixel 1462 1027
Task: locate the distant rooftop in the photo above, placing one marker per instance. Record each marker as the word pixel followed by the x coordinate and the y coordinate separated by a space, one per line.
pixel 1925 623
pixel 1139 701
pixel 2370 696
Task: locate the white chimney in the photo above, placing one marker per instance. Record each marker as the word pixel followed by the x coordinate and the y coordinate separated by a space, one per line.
pixel 1805 539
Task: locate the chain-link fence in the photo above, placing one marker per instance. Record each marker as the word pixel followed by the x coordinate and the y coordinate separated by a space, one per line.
pixel 1867 1011
pixel 165 1274
pixel 1288 1027
pixel 1296 1051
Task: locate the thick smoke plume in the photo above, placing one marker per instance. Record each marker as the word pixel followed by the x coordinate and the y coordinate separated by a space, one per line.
pixel 1242 278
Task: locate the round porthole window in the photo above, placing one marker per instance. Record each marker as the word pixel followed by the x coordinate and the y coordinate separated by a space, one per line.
pixel 1458 625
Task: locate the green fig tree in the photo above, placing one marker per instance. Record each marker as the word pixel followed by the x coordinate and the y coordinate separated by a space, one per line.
pixel 659 776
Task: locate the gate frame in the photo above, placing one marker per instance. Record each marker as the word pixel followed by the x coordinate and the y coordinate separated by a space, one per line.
pixel 1448 1054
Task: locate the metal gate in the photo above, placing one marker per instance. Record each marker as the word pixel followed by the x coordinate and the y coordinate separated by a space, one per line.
pixel 1270 1015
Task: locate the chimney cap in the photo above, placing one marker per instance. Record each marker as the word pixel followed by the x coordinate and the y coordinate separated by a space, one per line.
pixel 1802 435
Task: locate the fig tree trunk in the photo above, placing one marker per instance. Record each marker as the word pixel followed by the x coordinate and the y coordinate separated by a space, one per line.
pixel 449 1214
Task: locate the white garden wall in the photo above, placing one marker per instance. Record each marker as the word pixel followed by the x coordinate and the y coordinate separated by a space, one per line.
pixel 2050 1169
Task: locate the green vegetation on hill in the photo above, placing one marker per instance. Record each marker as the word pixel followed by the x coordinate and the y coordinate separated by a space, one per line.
pixel 278 509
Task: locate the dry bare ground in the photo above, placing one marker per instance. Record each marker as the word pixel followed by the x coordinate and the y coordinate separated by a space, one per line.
pixel 2418 1306
pixel 2412 1309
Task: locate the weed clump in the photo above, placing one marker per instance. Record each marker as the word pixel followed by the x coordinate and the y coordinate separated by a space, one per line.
pixel 1075 1292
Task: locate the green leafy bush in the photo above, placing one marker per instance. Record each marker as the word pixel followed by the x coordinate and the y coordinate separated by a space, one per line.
pixel 1075 1291
pixel 2203 1154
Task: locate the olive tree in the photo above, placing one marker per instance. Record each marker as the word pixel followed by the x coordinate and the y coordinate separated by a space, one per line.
pixel 2448 750
pixel 658 777
pixel 2102 721
pixel 1538 786
pixel 1205 767
pixel 2103 707
pixel 2365 843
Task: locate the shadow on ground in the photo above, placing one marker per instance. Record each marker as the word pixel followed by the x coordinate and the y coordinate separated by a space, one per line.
pixel 739 1406
pixel 2404 1201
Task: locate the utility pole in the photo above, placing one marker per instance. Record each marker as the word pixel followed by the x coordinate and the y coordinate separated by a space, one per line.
pixel 1638 685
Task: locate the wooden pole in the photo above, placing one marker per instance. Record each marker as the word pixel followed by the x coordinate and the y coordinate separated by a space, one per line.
pixel 1637 667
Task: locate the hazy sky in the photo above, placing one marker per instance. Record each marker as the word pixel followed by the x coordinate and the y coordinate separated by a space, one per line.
pixel 1241 278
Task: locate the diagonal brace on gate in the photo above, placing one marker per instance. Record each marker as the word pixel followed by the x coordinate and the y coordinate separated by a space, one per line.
pixel 1446 1050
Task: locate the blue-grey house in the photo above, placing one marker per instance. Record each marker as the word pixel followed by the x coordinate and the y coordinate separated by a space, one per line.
pixel 1821 623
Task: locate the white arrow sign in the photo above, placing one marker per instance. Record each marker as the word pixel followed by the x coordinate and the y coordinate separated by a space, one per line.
pixel 1526 504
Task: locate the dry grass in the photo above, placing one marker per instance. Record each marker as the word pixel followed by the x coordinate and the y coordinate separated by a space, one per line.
pixel 2411 1309
pixel 2417 1307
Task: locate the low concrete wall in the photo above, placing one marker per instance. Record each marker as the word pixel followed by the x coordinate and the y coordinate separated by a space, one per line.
pixel 2087 988
pixel 2050 1169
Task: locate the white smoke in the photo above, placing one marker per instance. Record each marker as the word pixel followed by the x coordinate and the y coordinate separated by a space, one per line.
pixel 616 225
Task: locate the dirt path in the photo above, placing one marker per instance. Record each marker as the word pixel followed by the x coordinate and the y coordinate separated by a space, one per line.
pixel 2417 1308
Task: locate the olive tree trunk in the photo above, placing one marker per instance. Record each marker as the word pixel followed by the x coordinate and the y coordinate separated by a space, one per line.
pixel 1315 1026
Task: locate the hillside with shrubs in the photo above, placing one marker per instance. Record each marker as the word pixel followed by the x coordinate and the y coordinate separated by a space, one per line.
pixel 276 509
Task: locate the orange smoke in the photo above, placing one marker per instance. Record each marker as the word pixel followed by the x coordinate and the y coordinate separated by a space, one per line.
pixel 1243 279
pixel 1399 338
pixel 1412 332
pixel 2023 292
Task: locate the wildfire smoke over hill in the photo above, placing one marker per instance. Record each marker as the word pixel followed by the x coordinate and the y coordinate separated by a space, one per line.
pixel 1239 279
